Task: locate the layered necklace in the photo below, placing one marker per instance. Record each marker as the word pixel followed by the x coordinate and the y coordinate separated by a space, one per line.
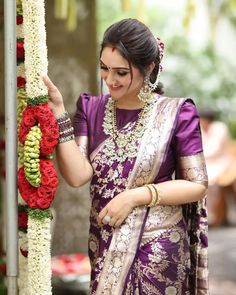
pixel 122 145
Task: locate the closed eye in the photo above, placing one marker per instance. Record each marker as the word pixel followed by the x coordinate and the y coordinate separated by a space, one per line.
pixel 122 73
pixel 102 67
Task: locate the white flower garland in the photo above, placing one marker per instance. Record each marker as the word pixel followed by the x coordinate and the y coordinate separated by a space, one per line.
pixel 36 62
pixel 19 31
pixel 39 256
pixel 21 69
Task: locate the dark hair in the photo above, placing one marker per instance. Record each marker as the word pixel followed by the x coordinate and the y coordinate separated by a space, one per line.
pixel 136 44
pixel 208 114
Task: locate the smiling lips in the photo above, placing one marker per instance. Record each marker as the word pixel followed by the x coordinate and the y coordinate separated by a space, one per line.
pixel 113 87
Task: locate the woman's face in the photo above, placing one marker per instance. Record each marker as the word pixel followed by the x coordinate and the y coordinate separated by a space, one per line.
pixel 117 75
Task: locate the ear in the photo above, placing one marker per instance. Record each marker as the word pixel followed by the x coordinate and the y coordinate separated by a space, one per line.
pixel 150 68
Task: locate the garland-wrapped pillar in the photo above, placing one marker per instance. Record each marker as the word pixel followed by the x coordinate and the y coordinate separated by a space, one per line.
pixel 38 134
pixel 11 153
pixel 21 104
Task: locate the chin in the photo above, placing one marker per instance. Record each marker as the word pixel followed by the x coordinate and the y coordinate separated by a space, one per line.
pixel 115 95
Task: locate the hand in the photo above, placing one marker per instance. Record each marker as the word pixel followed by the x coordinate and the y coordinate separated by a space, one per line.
pixel 117 209
pixel 55 97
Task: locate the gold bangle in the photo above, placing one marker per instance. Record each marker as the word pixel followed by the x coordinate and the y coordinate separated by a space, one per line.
pixel 153 195
pixel 158 193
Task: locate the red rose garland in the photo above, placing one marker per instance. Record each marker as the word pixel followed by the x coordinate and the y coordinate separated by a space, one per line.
pixel 42 115
pixel 40 197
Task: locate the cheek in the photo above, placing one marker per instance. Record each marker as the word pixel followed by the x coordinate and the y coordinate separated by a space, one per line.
pixel 103 75
pixel 137 83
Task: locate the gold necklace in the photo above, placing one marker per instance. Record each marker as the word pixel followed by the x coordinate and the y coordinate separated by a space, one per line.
pixel 122 145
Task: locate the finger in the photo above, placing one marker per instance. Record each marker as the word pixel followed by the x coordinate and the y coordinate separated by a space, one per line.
pixel 101 215
pixel 113 221
pixel 47 81
pixel 118 222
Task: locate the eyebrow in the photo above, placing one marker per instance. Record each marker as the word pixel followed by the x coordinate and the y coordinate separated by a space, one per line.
pixel 115 68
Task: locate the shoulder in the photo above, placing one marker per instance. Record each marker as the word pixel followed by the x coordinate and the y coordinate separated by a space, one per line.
pixel 89 98
pixel 181 104
pixel 88 101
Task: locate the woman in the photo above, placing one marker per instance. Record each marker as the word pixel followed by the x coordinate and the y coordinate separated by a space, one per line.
pixel 145 223
pixel 221 165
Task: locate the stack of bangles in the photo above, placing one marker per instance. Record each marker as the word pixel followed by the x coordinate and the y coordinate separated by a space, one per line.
pixel 155 194
pixel 66 130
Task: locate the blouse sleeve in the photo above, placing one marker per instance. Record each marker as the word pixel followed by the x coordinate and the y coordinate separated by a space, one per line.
pixel 188 145
pixel 80 117
pixel 80 123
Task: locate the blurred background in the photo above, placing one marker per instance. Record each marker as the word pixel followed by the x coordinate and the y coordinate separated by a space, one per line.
pixel 199 62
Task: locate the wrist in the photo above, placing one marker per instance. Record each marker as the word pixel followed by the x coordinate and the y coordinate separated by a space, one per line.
pixel 139 196
pixel 59 112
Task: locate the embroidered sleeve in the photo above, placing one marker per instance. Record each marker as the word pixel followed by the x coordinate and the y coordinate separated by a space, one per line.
pixel 193 168
pixel 82 142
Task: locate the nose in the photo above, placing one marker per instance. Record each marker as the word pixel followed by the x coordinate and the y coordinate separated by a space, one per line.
pixel 109 78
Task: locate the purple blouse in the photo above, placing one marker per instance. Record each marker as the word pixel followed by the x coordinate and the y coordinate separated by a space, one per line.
pixel 186 141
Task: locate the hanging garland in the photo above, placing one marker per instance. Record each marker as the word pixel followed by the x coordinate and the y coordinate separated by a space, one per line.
pixel 21 104
pixel 38 135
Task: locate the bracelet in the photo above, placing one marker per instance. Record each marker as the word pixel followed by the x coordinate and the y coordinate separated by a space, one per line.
pixel 66 130
pixel 158 193
pixel 64 115
pixel 153 195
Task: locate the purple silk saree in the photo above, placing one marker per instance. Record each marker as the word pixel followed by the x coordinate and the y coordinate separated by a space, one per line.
pixel 159 250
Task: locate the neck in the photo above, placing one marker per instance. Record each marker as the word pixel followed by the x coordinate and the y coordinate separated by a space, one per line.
pixel 129 104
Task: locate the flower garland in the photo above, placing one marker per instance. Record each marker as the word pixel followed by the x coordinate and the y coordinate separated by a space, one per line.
pixel 38 135
pixel 42 196
pixel 21 104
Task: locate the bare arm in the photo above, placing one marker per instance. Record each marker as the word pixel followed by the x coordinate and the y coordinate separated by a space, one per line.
pixel 174 192
pixel 73 165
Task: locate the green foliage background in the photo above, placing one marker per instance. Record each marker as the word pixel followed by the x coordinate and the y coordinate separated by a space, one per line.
pixel 190 72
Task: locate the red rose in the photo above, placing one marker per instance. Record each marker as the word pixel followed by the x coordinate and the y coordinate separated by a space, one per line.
pixel 23 131
pixel 49 172
pixel 22 219
pixel 54 182
pixel 28 119
pixel 24 252
pixel 42 111
pixel 45 164
pixel 45 192
pixel 21 82
pixel 43 203
pixel 27 191
pixel 20 50
pixel 19 19
pixel 32 202
pixel 52 134
pixel 45 180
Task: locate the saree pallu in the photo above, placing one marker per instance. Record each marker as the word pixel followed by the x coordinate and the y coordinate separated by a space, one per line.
pixel 159 250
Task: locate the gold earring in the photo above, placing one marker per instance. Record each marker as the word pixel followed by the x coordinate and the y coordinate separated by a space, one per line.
pixel 145 93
